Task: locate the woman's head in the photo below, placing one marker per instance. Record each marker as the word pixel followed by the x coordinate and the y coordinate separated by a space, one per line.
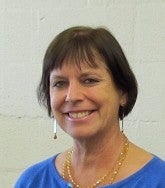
pixel 79 44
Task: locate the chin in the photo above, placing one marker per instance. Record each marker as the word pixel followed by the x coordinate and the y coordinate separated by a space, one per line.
pixel 83 134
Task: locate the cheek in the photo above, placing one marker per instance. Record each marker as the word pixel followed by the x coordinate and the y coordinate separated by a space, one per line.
pixel 112 99
pixel 55 102
pixel 52 104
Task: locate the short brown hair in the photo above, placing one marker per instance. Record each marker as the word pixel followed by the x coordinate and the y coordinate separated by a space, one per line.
pixel 81 43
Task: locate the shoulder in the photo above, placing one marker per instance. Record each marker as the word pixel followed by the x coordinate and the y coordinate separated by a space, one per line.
pixel 35 172
pixel 157 165
pixel 144 169
pixel 153 165
pixel 153 173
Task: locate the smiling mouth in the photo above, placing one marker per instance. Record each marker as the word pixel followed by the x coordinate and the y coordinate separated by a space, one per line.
pixel 76 115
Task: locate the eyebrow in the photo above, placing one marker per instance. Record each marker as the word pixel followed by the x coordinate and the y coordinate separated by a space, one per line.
pixel 83 74
pixel 89 73
pixel 54 77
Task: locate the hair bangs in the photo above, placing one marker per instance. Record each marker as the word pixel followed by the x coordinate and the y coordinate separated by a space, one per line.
pixel 78 50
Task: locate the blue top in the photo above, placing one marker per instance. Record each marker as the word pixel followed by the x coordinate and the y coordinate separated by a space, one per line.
pixel 45 175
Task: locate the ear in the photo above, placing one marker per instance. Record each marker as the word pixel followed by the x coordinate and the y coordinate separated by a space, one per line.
pixel 123 98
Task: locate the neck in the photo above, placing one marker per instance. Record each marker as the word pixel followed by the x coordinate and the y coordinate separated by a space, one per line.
pixel 91 151
pixel 103 163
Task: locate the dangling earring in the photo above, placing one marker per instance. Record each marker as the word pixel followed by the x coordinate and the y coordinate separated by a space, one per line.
pixel 122 119
pixel 55 129
pixel 122 124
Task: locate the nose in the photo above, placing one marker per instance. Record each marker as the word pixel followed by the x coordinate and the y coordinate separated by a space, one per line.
pixel 74 93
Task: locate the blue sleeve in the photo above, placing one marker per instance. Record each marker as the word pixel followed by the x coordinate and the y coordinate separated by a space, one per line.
pixel 37 176
pixel 32 175
pixel 26 178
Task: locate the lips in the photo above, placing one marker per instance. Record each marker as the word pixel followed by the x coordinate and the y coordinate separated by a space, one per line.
pixel 77 115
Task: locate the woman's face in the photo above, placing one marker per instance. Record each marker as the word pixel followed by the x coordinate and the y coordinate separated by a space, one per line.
pixel 84 100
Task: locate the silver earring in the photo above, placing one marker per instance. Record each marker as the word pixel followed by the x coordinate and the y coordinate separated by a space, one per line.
pixel 122 124
pixel 55 129
pixel 122 119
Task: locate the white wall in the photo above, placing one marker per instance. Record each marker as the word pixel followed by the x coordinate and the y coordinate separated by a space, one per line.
pixel 26 29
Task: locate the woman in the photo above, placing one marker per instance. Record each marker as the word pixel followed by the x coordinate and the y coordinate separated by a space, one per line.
pixel 88 86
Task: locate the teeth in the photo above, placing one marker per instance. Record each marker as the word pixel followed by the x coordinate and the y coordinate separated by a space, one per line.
pixel 79 114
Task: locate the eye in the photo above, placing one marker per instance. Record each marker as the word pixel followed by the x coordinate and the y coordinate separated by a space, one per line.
pixel 59 84
pixel 90 81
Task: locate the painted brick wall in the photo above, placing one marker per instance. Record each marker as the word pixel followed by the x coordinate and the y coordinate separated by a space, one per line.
pixel 26 29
